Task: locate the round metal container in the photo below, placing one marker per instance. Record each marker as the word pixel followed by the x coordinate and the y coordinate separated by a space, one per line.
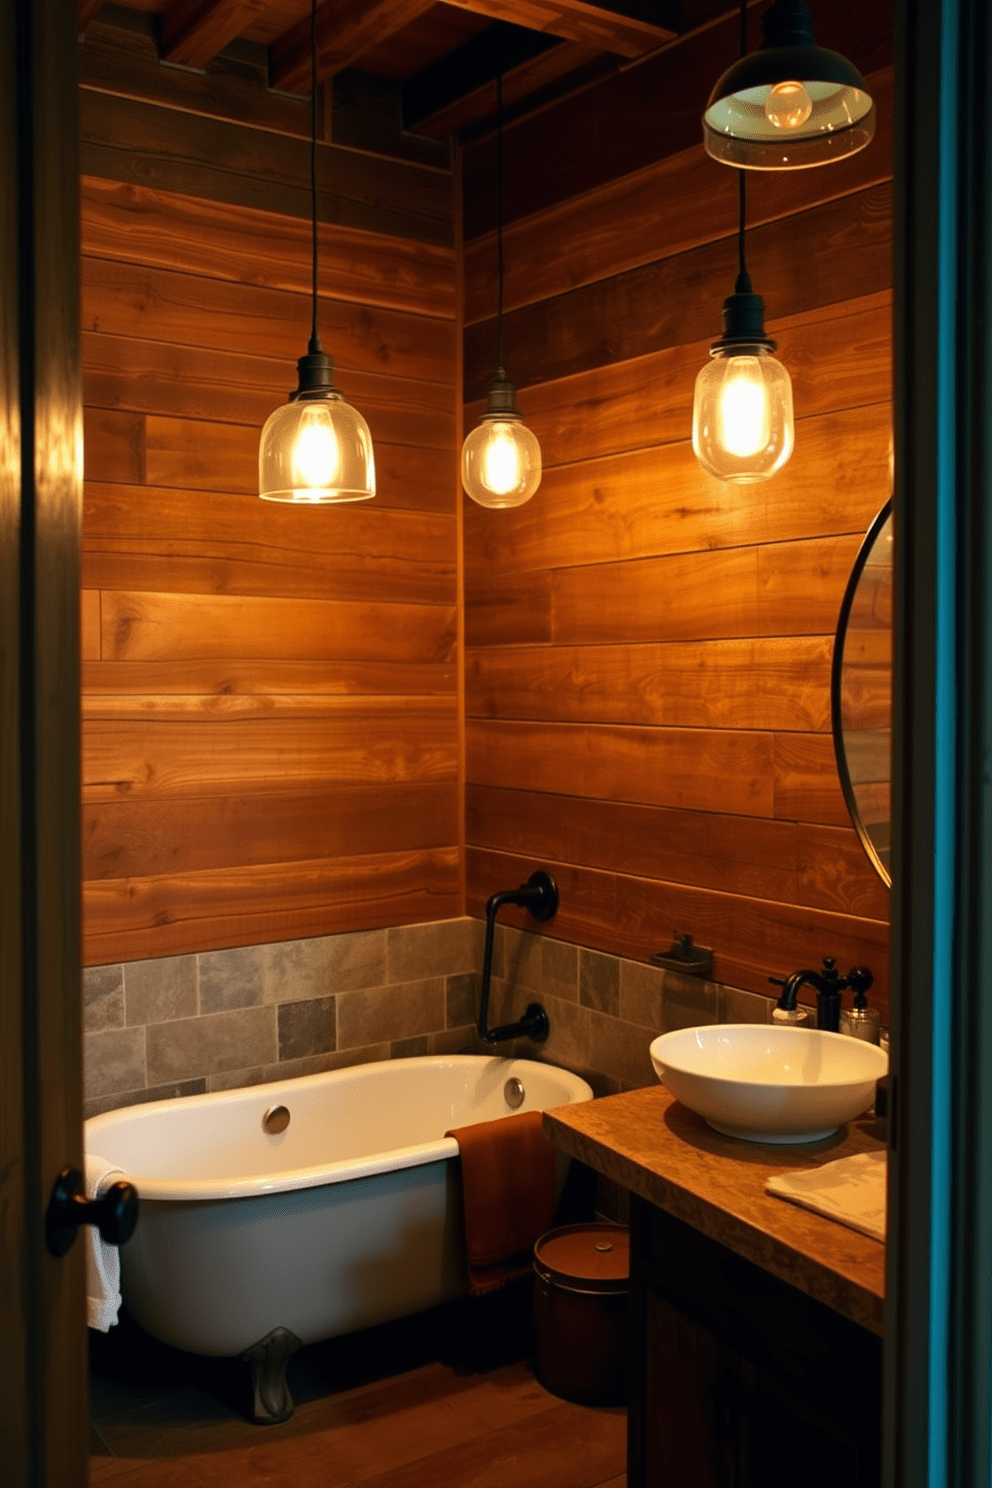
pixel 582 1277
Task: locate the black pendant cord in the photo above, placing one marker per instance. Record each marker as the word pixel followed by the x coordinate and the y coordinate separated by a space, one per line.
pixel 500 371
pixel 315 345
pixel 743 278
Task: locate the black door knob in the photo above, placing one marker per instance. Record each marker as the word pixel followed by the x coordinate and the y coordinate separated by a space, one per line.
pixel 115 1213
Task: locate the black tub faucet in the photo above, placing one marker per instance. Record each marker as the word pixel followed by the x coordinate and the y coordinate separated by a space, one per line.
pixel 829 985
pixel 539 895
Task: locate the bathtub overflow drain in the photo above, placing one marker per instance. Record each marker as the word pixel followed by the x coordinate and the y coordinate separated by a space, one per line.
pixel 276 1119
pixel 513 1092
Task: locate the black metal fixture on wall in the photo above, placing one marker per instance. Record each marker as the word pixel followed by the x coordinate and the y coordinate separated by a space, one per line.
pixel 316 449
pixel 791 103
pixel 501 457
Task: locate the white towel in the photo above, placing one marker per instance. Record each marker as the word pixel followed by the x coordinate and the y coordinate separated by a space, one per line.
pixel 851 1190
pixel 103 1262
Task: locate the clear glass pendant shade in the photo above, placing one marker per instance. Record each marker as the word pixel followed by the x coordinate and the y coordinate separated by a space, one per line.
pixel 501 462
pixel 316 451
pixel 742 420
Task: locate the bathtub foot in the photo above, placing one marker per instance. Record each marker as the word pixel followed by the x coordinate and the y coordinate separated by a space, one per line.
pixel 267 1360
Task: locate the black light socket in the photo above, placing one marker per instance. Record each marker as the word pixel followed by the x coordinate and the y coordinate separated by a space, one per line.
pixel 316 375
pixel 501 399
pixel 743 324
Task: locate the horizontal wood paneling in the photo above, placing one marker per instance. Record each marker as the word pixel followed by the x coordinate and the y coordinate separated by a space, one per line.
pixel 649 650
pixel 134 224
pixel 672 206
pixel 270 723
pixel 172 914
pixel 89 625
pixel 676 300
pixel 168 627
pixel 777 683
pixel 149 836
pixel 701 770
pixel 134 141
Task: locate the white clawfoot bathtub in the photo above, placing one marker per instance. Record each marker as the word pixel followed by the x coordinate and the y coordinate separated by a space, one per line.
pixel 344 1219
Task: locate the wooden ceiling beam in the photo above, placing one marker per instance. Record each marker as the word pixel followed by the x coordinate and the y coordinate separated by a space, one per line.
pixel 628 28
pixel 194 31
pixel 345 29
pixel 87 10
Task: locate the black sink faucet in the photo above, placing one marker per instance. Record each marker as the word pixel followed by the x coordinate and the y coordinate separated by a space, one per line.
pixel 829 985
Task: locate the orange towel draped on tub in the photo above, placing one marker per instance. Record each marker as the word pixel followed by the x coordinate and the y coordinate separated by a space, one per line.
pixel 508 1196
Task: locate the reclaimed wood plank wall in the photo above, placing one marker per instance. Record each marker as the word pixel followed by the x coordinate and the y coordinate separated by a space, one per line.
pixel 648 650
pixel 270 695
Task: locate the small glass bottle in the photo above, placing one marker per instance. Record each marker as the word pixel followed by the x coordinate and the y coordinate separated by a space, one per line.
pixel 861 1021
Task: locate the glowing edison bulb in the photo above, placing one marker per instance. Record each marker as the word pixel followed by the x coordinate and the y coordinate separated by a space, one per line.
pixel 788 106
pixel 742 422
pixel 501 462
pixel 743 408
pixel 316 457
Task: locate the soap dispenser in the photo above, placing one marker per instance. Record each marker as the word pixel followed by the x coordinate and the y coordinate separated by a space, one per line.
pixel 861 1021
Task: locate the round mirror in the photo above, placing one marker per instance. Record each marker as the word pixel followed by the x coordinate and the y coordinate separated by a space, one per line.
pixel 861 693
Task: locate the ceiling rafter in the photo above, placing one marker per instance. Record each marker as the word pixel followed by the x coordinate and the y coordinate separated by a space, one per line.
pixel 622 28
pixel 194 31
pixel 345 29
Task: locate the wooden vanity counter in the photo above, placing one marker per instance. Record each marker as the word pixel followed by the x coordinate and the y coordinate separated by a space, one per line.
pixel 652 1145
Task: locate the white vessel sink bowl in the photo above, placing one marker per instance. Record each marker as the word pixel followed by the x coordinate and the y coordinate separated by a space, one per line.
pixel 766 1083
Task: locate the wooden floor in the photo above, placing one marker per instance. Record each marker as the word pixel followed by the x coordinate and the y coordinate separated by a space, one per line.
pixel 441 1400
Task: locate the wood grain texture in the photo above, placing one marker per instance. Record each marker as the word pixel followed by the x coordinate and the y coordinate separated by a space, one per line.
pixel 146 144
pixel 651 502
pixel 670 207
pixel 833 873
pixel 750 684
pixel 697 769
pixel 838 357
pixel 755 857
pixel 671 301
pixel 194 31
pixel 807 787
pixel 140 626
pixel 139 749
pixel 345 29
pixel 191 311
pixel 149 836
pixel 232 676
pixel 89 625
pixel 578 20
pixel 173 914
pixel 135 223
pixel 174 541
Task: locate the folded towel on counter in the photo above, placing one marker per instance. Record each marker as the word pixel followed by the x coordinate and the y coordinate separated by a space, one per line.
pixel 851 1190
pixel 508 1196
pixel 103 1262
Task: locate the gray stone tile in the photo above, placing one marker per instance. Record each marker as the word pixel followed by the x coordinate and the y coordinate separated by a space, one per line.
pixel 461 999
pixel 318 1064
pixel 570 1039
pixel 103 998
pixel 358 960
pixel 230 979
pixel 212 1043
pixel 234 1079
pixel 294 970
pixel 307 1028
pixel 418 952
pixel 599 982
pixel 462 1040
pixel 621 1050
pixel 642 994
pixel 411 1048
pixel 101 1103
pixel 158 991
pixel 522 959
pixel 559 969
pixel 384 1014
pixel 113 1061
pixel 738 1006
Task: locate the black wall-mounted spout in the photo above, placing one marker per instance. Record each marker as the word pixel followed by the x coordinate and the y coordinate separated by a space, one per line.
pixel 539 895
pixel 829 985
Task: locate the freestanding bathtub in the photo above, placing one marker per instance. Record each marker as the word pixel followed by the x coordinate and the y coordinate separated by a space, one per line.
pixel 252 1242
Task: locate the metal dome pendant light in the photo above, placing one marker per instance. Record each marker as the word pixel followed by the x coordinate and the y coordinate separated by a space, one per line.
pixel 501 457
pixel 316 449
pixel 791 103
pixel 742 421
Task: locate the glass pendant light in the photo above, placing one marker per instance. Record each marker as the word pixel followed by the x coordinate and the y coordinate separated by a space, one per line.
pixel 316 448
pixel 742 422
pixel 501 458
pixel 791 103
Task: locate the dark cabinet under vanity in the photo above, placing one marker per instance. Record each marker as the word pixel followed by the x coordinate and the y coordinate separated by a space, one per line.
pixel 738 1379
pixel 756 1350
